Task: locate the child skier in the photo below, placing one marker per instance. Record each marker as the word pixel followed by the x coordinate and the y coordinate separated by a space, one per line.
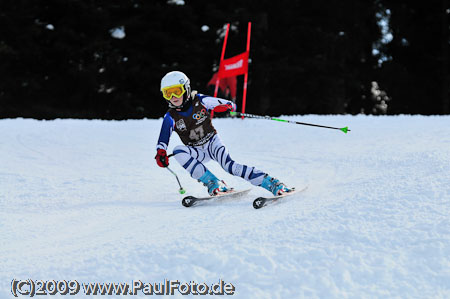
pixel 189 116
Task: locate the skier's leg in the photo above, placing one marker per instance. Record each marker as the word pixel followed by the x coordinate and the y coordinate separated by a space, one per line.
pixel 192 159
pixel 219 153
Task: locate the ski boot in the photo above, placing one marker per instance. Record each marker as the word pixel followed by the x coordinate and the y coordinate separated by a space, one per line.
pixel 273 185
pixel 213 184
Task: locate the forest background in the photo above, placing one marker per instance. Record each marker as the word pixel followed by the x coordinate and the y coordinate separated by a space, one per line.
pixel 105 59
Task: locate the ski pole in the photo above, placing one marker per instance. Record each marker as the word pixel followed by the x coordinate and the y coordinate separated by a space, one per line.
pixel 182 191
pixel 345 129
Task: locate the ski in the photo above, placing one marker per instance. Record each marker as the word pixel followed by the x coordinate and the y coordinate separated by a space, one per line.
pixel 190 200
pixel 264 201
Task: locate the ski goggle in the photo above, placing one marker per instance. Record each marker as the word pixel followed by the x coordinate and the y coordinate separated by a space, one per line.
pixel 174 90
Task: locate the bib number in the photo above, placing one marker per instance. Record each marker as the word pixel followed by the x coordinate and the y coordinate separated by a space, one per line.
pixel 197 133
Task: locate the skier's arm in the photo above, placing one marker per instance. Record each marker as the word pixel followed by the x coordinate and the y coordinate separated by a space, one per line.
pixel 216 104
pixel 166 132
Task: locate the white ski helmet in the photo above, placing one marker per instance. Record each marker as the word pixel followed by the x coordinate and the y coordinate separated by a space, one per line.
pixel 177 78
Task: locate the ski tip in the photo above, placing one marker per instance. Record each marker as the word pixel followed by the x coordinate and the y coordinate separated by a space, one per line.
pixel 259 202
pixel 188 201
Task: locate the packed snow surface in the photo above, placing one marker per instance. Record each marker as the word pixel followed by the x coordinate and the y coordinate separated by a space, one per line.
pixel 84 200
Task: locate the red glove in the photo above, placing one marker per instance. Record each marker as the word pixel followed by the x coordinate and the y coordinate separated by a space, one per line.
pixel 161 158
pixel 223 108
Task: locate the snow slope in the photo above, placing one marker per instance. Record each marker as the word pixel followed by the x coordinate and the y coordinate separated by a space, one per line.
pixel 84 200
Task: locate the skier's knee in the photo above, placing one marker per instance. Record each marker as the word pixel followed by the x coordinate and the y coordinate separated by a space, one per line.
pixel 180 149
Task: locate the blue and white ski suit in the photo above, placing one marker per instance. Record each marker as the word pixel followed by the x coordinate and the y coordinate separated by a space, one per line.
pixel 209 146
